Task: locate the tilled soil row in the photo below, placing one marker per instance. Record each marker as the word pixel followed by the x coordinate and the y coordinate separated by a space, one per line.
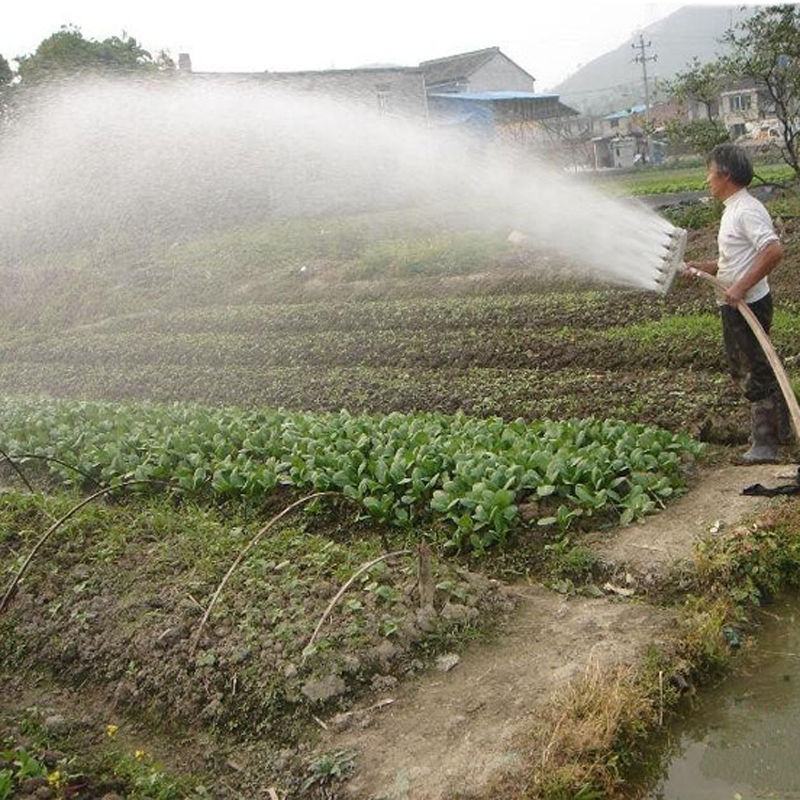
pixel 702 402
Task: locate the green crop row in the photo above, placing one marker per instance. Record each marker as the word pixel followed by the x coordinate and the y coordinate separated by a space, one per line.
pixel 400 468
pixel 591 309
pixel 688 179
pixel 673 341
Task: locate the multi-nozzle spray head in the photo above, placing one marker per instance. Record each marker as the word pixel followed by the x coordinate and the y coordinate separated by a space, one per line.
pixel 672 260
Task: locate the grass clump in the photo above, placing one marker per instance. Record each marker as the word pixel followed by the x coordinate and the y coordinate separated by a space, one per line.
pixel 584 740
pixel 594 732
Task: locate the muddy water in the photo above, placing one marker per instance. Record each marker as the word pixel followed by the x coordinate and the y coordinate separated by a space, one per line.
pixel 741 739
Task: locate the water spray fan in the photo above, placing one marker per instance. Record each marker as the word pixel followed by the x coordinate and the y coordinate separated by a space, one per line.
pixel 672 260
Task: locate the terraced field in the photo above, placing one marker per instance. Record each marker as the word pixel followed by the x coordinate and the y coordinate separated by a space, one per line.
pixel 426 344
pixel 686 179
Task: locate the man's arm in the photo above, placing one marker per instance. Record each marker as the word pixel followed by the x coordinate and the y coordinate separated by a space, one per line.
pixel 765 261
pixel 704 266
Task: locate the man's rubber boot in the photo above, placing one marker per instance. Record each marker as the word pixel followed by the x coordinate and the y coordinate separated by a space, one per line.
pixel 764 420
pixel 785 432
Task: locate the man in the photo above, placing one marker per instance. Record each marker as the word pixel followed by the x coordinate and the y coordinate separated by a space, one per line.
pixel 749 249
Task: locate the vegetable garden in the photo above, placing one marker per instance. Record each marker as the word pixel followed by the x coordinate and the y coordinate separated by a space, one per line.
pixel 482 413
pixel 472 472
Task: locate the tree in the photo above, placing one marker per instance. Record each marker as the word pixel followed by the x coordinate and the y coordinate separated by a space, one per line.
pixel 766 47
pixel 699 135
pixel 701 83
pixel 6 75
pixel 67 53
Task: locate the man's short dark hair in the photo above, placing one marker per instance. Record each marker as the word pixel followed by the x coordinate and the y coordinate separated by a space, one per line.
pixel 731 160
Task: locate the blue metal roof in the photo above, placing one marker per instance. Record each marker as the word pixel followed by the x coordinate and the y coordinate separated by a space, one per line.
pixel 505 95
pixel 628 112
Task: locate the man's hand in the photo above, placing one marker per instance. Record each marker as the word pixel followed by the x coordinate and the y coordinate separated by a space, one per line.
pixel 735 294
pixel 691 270
pixel 703 266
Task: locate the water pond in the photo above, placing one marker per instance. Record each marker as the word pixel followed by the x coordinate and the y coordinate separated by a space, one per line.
pixel 740 740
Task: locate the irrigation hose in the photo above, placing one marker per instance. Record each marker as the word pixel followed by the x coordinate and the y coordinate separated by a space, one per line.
pixel 769 352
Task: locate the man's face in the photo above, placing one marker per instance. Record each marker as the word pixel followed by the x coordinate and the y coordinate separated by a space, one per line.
pixel 719 185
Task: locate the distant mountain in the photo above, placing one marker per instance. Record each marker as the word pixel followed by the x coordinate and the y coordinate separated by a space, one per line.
pixel 613 81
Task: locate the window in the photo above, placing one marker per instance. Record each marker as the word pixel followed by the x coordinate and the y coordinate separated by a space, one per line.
pixel 740 102
pixel 382 94
pixel 614 123
pixel 737 130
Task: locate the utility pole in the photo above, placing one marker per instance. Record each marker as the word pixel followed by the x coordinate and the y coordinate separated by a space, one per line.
pixel 642 58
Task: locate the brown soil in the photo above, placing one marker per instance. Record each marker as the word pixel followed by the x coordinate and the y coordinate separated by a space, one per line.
pixel 450 735
pixel 453 734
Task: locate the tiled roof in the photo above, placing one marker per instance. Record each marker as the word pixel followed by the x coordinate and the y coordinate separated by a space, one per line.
pixel 497 95
pixel 451 68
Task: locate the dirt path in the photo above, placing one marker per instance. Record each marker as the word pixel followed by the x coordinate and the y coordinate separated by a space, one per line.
pixel 452 733
pixel 652 546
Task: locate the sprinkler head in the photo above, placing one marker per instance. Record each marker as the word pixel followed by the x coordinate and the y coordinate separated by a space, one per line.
pixel 672 260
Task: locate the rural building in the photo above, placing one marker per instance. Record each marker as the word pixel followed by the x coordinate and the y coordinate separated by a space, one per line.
pixel 488 94
pixel 746 109
pixel 620 142
pixel 521 116
pixel 396 91
pixel 487 70
pixel 627 122
pixel 616 151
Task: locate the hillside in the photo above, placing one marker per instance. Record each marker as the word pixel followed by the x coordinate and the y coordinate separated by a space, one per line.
pixel 614 81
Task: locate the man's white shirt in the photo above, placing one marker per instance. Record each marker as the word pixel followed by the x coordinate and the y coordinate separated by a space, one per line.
pixel 745 229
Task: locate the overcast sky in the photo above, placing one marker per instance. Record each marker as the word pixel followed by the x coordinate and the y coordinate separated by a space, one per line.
pixel 548 38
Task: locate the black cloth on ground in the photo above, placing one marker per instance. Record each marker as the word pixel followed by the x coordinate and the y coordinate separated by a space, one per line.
pixel 757 490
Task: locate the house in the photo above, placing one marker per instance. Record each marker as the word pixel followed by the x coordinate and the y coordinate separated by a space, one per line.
pixel 743 107
pixel 746 110
pixel 398 91
pixel 522 119
pixel 629 121
pixel 620 142
pixel 487 70
pixel 616 151
pixel 488 94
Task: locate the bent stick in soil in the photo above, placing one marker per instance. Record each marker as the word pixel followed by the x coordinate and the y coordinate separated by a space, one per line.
pixel 17 469
pixel 252 543
pixel 769 352
pixel 51 459
pixel 332 604
pixel 54 527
